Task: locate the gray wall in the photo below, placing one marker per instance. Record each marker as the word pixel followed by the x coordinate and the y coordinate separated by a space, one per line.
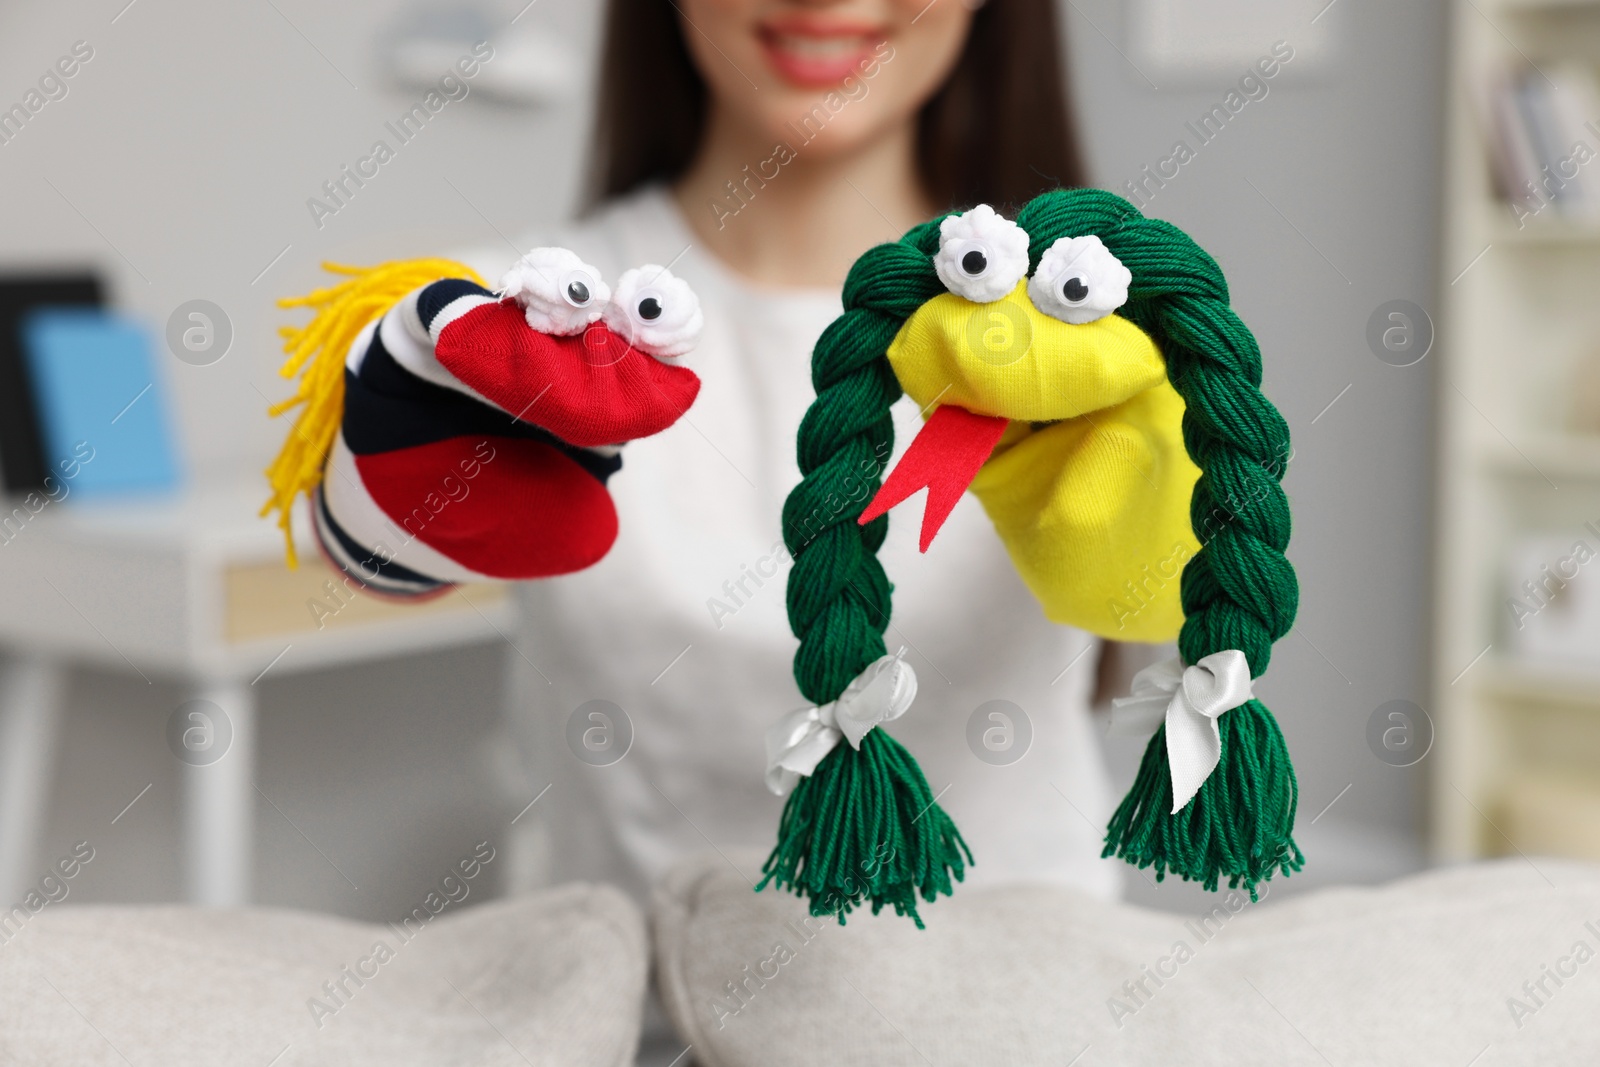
pixel 192 139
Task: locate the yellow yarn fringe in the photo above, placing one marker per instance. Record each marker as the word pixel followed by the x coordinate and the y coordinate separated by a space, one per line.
pixel 317 354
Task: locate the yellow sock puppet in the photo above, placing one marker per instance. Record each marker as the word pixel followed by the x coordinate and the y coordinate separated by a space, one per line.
pixel 1080 370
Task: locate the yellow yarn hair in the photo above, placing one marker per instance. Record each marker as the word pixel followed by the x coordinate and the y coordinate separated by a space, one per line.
pixel 317 354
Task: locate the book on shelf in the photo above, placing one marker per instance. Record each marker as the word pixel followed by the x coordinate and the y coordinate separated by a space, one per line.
pixel 1542 125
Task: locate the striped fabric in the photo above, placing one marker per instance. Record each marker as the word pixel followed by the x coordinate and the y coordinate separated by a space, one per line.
pixel 367 565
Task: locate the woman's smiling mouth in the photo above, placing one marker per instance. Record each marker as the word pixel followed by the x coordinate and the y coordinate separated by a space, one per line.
pixel 815 53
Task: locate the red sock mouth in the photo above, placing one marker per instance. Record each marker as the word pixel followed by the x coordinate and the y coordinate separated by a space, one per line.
pixel 590 389
pixel 944 457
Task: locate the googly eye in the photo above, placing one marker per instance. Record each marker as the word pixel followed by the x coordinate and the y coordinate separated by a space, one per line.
pixel 982 255
pixel 577 288
pixel 559 293
pixel 655 312
pixel 1079 280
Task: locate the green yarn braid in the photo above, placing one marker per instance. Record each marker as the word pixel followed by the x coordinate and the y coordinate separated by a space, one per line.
pixel 1239 590
pixel 863 827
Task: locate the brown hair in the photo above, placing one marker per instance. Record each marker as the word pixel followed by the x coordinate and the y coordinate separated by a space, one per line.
pixel 999 131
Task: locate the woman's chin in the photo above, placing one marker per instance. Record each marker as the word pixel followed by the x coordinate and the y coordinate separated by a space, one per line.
pixel 798 124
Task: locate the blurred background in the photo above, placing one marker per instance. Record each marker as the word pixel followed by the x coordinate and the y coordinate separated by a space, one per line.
pixel 1400 213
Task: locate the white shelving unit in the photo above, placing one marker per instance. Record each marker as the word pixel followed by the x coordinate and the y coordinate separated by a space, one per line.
pixel 1516 761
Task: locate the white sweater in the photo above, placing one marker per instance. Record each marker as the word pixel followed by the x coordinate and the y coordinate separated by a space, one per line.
pixel 683 625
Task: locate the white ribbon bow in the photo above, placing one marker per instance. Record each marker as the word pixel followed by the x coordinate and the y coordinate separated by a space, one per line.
pixel 1190 699
pixel 797 742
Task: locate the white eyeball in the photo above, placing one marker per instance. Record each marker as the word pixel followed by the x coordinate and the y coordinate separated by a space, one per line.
pixel 655 312
pixel 982 255
pixel 1079 280
pixel 559 293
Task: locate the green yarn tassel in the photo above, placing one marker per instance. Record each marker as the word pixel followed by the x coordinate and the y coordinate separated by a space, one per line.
pixel 864 827
pixel 1238 826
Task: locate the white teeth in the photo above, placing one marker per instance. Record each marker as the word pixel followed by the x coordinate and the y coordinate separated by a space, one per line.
pixel 819 47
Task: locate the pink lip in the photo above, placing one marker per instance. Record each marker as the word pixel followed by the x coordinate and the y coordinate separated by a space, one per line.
pixel 814 52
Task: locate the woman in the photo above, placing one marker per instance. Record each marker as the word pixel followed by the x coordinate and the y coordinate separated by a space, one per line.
pixel 758 147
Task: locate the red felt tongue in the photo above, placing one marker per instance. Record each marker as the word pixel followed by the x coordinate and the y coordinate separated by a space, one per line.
pixel 944 457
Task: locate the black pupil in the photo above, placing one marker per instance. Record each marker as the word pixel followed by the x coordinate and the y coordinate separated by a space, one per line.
pixel 974 262
pixel 649 309
pixel 578 292
pixel 1075 290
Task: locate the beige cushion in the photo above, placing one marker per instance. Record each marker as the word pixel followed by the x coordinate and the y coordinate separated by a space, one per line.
pixel 1419 972
pixel 553 978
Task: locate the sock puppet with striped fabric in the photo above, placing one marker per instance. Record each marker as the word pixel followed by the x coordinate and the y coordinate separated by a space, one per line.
pixel 1080 370
pixel 452 434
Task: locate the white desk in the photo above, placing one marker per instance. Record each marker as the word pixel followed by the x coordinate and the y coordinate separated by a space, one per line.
pixel 193 588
